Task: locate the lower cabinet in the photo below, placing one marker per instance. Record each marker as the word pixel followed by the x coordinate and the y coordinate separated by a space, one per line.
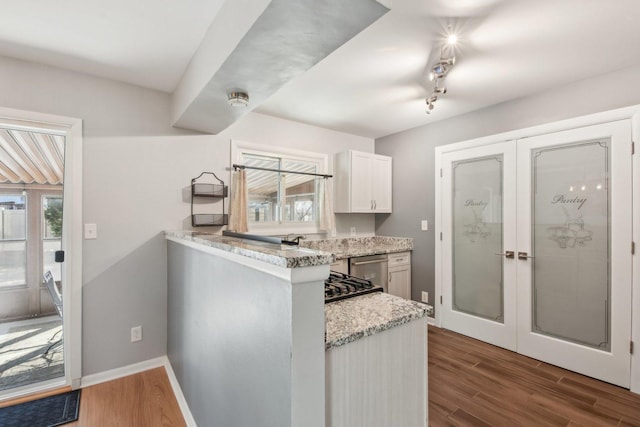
pixel 400 274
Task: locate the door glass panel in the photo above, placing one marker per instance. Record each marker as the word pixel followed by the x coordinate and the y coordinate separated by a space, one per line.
pixel 477 237
pixel 13 240
pixel 52 232
pixel 570 243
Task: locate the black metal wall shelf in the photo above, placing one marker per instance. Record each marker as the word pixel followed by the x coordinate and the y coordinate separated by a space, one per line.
pixel 208 190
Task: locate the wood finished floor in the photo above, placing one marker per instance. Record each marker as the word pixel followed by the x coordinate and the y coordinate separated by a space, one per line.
pixel 144 399
pixel 472 383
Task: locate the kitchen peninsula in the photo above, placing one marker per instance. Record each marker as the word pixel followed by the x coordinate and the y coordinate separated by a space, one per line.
pixel 246 336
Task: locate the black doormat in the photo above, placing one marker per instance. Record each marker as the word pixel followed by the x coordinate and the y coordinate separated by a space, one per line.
pixel 46 412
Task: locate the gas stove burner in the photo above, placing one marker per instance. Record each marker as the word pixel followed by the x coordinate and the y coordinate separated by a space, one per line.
pixel 339 286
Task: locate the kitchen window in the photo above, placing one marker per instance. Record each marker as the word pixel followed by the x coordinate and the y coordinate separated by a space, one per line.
pixel 282 202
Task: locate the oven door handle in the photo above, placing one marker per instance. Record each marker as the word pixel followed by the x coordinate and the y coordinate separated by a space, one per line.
pixel 375 261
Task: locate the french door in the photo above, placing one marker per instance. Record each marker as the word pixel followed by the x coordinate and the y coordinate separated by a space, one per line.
pixel 479 218
pixel 537 247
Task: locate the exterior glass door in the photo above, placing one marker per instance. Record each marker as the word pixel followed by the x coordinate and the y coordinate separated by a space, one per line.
pixel 31 215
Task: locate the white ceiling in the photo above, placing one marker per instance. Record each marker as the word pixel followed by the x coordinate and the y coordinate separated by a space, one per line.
pixel 373 85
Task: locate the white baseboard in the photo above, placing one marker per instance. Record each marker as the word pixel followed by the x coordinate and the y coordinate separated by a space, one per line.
pixel 136 368
pixel 124 371
pixel 177 391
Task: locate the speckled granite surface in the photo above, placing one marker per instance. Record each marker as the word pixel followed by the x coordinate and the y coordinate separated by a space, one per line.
pixel 360 246
pixel 280 255
pixel 354 318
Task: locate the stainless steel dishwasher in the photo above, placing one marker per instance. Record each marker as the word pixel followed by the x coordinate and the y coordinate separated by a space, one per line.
pixel 374 268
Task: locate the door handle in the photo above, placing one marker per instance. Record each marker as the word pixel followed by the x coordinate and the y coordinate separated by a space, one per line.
pixel 524 255
pixel 507 254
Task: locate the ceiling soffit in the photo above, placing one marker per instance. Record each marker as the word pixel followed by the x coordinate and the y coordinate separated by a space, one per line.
pixel 288 38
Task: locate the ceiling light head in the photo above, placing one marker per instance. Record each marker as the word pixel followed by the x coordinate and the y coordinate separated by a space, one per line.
pixel 238 99
pixel 441 89
pixel 439 70
pixel 452 39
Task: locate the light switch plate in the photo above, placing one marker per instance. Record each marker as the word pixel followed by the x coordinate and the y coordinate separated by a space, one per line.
pixel 425 297
pixel 424 225
pixel 353 231
pixel 90 231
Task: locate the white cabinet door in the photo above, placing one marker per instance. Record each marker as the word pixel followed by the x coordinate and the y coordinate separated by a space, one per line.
pixel 400 274
pixel 400 281
pixel 381 192
pixel 361 179
pixel 362 183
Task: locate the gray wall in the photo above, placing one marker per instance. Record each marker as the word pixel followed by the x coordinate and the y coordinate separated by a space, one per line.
pixel 136 173
pixel 413 153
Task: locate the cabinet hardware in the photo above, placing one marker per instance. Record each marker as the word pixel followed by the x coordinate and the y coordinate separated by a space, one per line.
pixel 375 261
pixel 524 255
pixel 441 236
pixel 508 254
pixel 630 347
pixel 633 248
pixel 440 299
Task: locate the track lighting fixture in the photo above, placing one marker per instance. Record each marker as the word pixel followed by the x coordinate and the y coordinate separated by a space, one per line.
pixel 439 71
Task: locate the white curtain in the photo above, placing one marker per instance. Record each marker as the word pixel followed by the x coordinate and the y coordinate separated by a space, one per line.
pixel 238 205
pixel 327 220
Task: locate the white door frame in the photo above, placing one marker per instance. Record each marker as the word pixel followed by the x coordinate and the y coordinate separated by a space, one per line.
pixel 632 112
pixel 71 241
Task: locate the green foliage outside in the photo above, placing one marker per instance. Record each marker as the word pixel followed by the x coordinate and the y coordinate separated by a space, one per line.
pixel 53 215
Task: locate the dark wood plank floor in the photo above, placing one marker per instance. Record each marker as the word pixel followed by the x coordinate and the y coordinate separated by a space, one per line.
pixel 472 383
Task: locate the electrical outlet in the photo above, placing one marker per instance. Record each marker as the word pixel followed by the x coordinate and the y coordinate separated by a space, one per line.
pixel 425 297
pixel 353 231
pixel 136 334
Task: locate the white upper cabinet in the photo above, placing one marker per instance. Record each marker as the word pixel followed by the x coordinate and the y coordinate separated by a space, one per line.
pixel 362 183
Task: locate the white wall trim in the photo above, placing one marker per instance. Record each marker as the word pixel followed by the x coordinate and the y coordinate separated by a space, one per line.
pixel 635 292
pixel 124 371
pixel 576 122
pixel 177 391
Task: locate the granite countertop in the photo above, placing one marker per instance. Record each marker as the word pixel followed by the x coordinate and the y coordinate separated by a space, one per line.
pixel 353 318
pixel 280 255
pixel 360 246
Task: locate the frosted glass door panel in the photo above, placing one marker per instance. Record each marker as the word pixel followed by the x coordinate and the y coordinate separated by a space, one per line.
pixel 477 238
pixel 570 274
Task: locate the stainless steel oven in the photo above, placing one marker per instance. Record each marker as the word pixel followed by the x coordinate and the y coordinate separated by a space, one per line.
pixel 374 268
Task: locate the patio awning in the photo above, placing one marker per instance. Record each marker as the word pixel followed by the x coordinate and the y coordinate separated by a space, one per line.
pixel 31 157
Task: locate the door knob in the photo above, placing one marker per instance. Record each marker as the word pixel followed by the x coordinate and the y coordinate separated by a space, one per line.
pixel 524 255
pixel 507 254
